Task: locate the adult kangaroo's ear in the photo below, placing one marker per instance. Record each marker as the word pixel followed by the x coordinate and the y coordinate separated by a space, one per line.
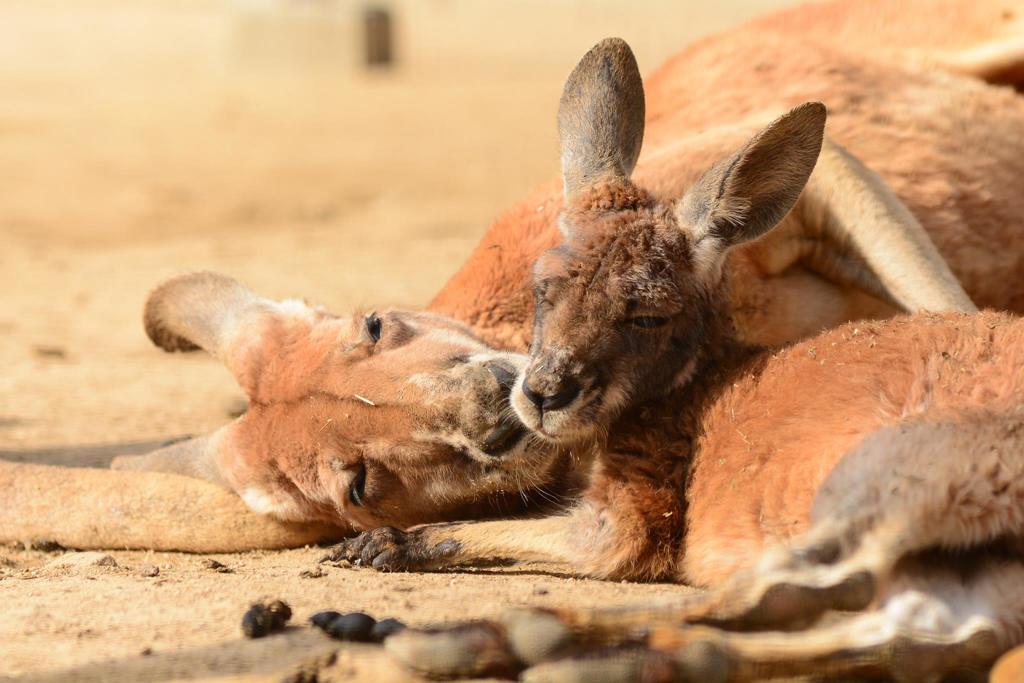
pixel 213 312
pixel 195 457
pixel 196 311
pixel 746 194
pixel 601 116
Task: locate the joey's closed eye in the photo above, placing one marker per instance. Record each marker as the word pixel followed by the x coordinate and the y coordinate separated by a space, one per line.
pixel 648 322
pixel 374 327
pixel 357 489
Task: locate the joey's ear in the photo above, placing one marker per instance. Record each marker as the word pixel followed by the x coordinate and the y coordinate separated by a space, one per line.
pixel 745 195
pixel 601 116
pixel 221 316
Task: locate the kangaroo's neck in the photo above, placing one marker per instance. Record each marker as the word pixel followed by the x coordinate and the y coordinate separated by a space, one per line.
pixel 649 454
pixel 673 422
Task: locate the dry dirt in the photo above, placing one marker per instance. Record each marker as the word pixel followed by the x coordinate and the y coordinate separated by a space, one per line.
pixel 139 139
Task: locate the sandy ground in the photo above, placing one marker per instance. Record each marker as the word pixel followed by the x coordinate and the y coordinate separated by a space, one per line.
pixel 59 621
pixel 139 139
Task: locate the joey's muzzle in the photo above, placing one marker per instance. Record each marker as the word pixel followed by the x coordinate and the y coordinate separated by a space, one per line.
pixel 553 394
pixel 550 396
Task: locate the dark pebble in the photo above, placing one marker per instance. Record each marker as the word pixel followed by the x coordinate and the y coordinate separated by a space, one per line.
pixel 50 352
pixel 355 627
pixel 45 545
pixel 385 628
pixel 323 619
pixel 264 618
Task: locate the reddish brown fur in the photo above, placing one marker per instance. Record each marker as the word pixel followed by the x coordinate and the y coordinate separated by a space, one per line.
pixel 695 487
pixel 641 516
pixel 949 146
pixel 774 435
pixel 629 306
pixel 692 119
pixel 492 293
pixel 627 256
pixel 853 458
pixel 750 459
pixel 740 454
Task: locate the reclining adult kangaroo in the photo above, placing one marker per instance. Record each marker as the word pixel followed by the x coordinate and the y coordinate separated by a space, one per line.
pixel 848 249
pixel 910 104
pixel 794 481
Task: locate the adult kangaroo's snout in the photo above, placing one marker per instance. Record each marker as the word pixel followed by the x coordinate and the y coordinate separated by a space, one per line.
pixel 506 377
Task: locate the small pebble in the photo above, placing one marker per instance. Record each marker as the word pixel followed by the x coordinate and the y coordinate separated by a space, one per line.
pixel 44 351
pixel 149 570
pixel 217 566
pixel 43 544
pixel 264 618
pixel 355 627
pixel 322 619
pixel 82 560
pixel 314 573
pixel 386 627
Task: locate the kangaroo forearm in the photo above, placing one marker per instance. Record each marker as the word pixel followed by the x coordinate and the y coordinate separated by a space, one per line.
pixel 441 546
pixel 542 539
pixel 854 208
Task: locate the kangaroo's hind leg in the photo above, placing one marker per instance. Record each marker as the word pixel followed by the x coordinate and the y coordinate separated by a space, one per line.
pixel 939 616
pixel 906 487
pixel 936 620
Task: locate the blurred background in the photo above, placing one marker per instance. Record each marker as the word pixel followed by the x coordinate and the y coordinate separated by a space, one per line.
pixel 345 151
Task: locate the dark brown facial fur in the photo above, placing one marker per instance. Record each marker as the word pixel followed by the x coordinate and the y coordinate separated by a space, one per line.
pixel 620 313
pixel 624 304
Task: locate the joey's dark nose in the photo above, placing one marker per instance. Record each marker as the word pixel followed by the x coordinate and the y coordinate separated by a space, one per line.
pixel 562 395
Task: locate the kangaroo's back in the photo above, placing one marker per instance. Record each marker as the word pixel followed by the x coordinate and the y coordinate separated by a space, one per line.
pixel 943 32
pixel 774 437
pixel 950 146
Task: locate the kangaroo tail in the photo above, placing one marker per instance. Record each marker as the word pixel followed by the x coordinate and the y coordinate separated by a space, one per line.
pixel 104 509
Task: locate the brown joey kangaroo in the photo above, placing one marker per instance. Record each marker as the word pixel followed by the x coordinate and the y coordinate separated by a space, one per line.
pixel 791 482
